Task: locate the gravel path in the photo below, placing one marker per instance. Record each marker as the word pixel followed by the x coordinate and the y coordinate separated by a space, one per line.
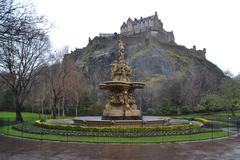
pixel 19 149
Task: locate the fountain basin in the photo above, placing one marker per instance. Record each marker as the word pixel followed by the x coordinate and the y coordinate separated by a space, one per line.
pixel 147 121
pixel 113 85
pixel 96 121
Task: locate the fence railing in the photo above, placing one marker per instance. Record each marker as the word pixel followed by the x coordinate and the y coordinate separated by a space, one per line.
pixel 210 131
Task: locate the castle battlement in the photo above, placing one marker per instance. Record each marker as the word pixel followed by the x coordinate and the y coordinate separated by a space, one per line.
pixel 200 53
pixel 151 23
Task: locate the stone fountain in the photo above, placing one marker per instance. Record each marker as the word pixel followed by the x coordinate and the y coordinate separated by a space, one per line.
pixel 121 104
pixel 121 109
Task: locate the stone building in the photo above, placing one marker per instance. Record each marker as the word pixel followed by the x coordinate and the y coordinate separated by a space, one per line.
pixel 151 24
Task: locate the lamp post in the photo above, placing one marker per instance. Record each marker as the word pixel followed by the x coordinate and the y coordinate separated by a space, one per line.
pixel 238 124
pixel 229 118
pixel 162 133
pixel 22 129
pixel 212 131
pixel 41 134
pixel 190 131
pixel 8 125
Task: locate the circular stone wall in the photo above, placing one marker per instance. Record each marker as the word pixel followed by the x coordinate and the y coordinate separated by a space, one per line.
pixel 147 121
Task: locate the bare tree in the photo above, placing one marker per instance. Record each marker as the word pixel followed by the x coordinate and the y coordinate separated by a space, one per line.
pixel 15 19
pixel 40 92
pixel 74 84
pixel 23 43
pixel 56 75
pixel 65 82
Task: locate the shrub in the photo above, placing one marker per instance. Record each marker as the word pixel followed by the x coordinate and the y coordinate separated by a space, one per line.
pixel 181 127
pixel 186 110
pixel 202 120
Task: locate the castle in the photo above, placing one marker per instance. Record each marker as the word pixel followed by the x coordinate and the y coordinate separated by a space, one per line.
pixel 153 26
pixel 151 23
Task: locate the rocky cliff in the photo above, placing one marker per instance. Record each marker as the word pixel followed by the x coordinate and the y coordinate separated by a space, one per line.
pixel 174 75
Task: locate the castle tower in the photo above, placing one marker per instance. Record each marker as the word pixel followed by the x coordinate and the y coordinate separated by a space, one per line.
pixel 146 24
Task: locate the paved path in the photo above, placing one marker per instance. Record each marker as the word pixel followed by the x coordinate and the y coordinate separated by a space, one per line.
pixel 18 149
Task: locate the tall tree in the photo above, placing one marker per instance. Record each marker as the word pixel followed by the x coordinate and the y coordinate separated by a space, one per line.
pixel 230 94
pixel 23 43
pixel 56 75
pixel 73 83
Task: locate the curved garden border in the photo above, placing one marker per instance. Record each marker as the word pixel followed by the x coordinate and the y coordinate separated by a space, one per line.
pixel 71 130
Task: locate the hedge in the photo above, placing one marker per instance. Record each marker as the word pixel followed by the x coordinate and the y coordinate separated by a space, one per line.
pixel 202 120
pixel 181 127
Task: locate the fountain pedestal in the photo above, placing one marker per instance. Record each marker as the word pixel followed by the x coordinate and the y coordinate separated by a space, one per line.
pixel 121 103
pixel 121 109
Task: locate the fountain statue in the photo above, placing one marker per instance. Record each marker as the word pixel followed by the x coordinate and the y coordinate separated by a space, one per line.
pixel 121 104
pixel 121 109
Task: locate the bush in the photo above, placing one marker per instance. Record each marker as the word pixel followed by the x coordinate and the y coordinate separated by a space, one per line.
pixel 202 120
pixel 186 110
pixel 31 128
pixel 183 127
pixel 150 111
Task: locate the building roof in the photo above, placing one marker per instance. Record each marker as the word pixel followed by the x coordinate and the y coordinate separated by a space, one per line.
pixel 141 20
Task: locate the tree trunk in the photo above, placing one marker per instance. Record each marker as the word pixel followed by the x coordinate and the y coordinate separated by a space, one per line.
pixel 58 110
pixel 63 111
pixel 76 109
pixel 18 112
pixel 178 110
pixel 54 109
pixel 233 113
pixel 52 113
pixel 42 109
pixel 63 107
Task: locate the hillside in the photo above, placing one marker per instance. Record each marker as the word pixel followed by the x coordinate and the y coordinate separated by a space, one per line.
pixel 174 74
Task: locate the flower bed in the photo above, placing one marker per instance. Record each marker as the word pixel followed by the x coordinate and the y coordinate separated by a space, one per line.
pixel 182 127
pixel 43 128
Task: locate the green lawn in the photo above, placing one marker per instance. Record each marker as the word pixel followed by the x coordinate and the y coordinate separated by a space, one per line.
pixel 217 116
pixel 161 139
pixel 222 116
pixel 27 116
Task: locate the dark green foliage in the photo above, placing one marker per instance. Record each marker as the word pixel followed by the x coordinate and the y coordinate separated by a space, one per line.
pixel 116 129
pixel 6 100
pixel 230 94
pixel 228 99
pixel 210 102
pixel 88 99
pixel 170 71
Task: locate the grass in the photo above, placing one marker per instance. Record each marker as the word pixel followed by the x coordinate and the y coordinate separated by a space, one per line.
pixel 181 59
pixel 178 56
pixel 221 116
pixel 140 50
pixel 154 79
pixel 27 116
pixel 31 117
pixel 161 139
pixel 218 116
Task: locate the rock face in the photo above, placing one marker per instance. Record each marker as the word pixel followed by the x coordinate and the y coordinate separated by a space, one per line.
pixel 173 74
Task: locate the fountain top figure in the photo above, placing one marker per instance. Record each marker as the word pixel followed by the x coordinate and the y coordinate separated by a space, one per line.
pixel 121 48
pixel 121 109
pixel 121 71
pixel 121 102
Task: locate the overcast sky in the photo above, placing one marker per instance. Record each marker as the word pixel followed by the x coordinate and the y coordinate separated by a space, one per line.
pixel 210 24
